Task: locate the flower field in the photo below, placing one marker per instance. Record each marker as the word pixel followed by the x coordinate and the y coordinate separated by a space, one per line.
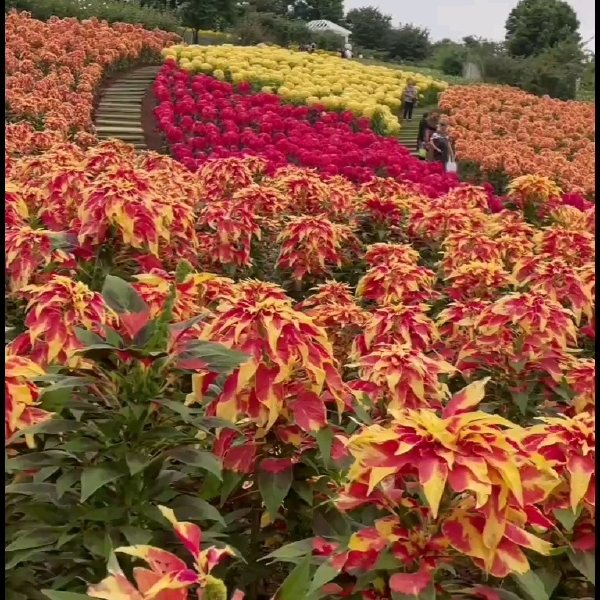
pixel 505 129
pixel 313 79
pixel 269 378
pixel 52 70
pixel 204 118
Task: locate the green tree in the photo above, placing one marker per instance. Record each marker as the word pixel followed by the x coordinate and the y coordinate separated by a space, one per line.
pixel 450 58
pixel 275 7
pixel 536 25
pixel 554 72
pixel 370 27
pixel 409 43
pixel 207 14
pixel 313 10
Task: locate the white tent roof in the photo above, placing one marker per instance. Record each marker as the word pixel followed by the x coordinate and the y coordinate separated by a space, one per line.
pixel 323 25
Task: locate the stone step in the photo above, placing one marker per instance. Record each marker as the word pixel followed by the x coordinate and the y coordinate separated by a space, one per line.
pixel 119 106
pixel 140 77
pixel 119 101
pixel 118 113
pixel 130 89
pixel 135 83
pixel 112 93
pixel 117 123
pixel 133 140
pixel 142 74
pixel 116 129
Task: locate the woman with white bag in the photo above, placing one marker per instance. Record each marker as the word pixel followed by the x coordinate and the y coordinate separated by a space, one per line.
pixel 441 148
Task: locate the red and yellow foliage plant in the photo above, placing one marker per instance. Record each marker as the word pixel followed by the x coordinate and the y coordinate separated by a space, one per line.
pixel 436 323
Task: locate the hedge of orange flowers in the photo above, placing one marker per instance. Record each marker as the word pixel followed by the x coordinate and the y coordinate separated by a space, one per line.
pixel 423 367
pixel 53 69
pixel 505 129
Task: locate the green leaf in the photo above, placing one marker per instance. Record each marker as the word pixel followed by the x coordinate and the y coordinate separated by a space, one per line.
pixel 97 351
pixel 231 482
pixel 218 358
pixel 178 407
pixel 137 462
pixel 31 489
pixel 33 539
pixel 177 329
pixel 25 556
pixel 112 337
pixel 190 508
pixel 34 460
pixel 135 535
pixel 566 517
pixel 549 578
pixel 290 552
pixel 51 427
pixel 362 414
pixel 56 396
pixel 274 487
pixel 65 482
pixel 122 296
pixel 585 563
pixel 87 338
pixel 198 458
pixel 304 490
pixel 387 562
pixel 45 473
pixel 55 595
pixel 521 400
pixel 324 438
pixel 94 478
pixel 296 583
pixel 97 542
pixel 532 585
pixel 329 522
pixel 323 575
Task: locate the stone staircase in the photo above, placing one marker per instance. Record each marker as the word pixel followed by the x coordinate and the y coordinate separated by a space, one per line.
pixel 119 112
pixel 410 130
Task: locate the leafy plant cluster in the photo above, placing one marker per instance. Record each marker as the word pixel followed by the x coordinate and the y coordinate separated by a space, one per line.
pixel 330 442
pixel 113 11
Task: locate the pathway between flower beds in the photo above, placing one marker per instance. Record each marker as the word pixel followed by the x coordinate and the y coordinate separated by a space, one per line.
pixel 410 130
pixel 119 112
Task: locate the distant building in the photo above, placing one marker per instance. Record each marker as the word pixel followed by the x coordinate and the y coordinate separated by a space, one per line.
pixel 324 26
pixel 471 72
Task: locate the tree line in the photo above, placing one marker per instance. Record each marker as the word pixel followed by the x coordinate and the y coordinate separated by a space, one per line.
pixel 542 51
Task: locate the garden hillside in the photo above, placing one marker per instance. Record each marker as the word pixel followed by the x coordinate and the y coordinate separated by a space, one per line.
pixel 289 361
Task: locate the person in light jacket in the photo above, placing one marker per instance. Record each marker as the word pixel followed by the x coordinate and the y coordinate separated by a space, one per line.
pixel 409 99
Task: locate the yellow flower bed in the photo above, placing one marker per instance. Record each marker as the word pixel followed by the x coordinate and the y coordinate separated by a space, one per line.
pixel 308 78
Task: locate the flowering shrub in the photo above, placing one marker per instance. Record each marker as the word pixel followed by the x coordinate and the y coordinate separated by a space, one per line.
pixel 202 117
pixel 505 129
pixel 375 381
pixel 53 69
pixel 313 79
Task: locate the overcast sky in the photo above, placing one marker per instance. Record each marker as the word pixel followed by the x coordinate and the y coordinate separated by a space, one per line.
pixel 455 19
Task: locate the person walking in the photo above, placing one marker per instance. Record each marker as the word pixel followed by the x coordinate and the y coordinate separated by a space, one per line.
pixel 409 99
pixel 441 148
pixel 421 147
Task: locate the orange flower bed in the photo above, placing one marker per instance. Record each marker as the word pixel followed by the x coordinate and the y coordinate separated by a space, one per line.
pixel 505 129
pixel 53 69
